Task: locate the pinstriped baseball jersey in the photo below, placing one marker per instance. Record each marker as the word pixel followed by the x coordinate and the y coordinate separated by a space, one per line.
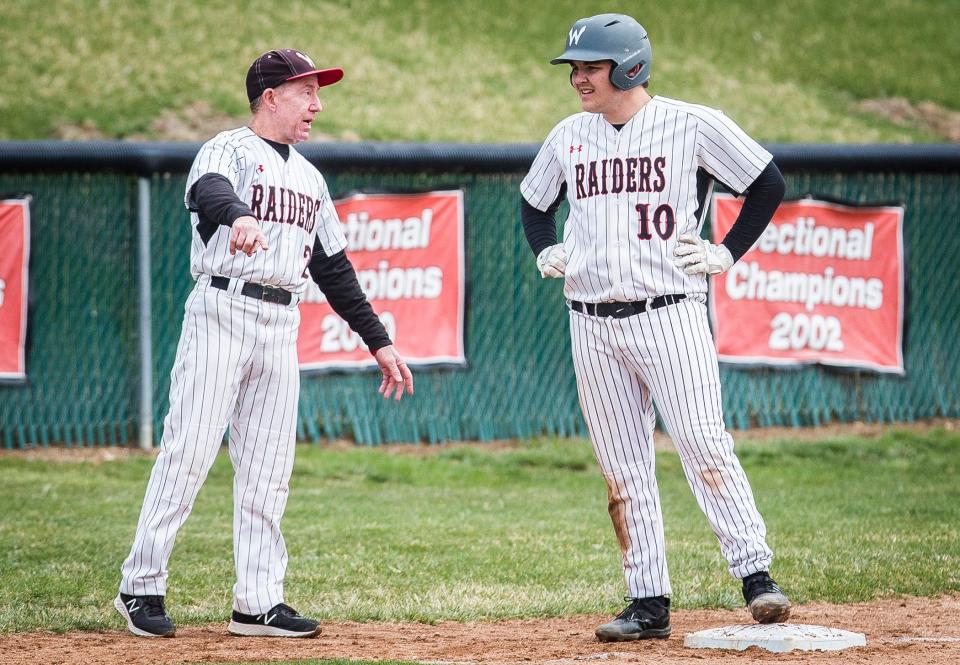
pixel 236 367
pixel 289 197
pixel 633 192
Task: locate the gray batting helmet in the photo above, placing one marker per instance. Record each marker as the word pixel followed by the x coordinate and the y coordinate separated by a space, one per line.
pixel 614 37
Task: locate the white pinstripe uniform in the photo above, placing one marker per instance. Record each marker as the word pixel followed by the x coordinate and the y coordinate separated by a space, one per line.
pixel 237 363
pixel 632 193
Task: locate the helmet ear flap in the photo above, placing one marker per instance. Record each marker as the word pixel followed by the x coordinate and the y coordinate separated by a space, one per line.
pixel 620 74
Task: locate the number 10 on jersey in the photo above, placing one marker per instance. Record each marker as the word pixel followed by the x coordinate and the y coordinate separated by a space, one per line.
pixel 663 221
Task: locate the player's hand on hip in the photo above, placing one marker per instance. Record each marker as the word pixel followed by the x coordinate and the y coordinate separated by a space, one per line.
pixel 396 374
pixel 696 256
pixel 552 261
pixel 246 236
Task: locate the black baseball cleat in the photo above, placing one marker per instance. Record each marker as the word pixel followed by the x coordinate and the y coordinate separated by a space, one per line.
pixel 280 621
pixel 644 618
pixel 766 601
pixel 145 615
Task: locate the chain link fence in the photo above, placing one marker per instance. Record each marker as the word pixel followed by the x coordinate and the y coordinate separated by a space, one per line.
pixel 83 347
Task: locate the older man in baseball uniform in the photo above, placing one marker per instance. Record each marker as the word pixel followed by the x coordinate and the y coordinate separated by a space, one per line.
pixel 637 171
pixel 263 223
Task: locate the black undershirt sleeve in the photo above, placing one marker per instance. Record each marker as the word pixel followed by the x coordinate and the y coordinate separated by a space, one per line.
pixel 338 280
pixel 216 204
pixel 761 201
pixel 540 226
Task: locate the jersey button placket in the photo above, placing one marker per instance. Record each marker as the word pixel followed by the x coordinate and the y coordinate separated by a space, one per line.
pixel 613 246
pixel 623 225
pixel 622 214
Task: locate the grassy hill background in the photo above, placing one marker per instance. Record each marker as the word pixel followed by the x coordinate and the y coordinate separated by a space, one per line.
pixel 475 71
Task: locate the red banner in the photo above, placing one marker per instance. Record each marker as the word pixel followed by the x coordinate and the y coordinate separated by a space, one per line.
pixel 823 284
pixel 408 252
pixel 14 259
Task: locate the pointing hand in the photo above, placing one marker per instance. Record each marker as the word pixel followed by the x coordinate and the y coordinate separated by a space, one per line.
pixel 247 236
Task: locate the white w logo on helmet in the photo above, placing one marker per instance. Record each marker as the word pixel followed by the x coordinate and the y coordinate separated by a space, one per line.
pixel 575 35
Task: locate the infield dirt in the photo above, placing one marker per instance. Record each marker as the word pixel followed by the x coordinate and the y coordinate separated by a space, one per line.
pixel 898 632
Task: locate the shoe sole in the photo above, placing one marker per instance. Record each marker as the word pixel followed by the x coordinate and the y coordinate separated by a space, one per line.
pixel 139 632
pixel 770 608
pixel 650 633
pixel 259 630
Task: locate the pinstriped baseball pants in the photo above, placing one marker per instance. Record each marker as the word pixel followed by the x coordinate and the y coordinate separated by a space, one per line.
pixel 236 363
pixel 667 356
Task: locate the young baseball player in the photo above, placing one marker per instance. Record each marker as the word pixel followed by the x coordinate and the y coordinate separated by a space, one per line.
pixel 637 172
pixel 263 223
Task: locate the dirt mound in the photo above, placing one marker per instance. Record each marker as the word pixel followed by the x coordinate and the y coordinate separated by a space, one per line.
pixel 912 630
pixel 940 120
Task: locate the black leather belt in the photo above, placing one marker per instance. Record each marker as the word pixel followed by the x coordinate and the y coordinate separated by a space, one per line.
pixel 259 291
pixel 619 310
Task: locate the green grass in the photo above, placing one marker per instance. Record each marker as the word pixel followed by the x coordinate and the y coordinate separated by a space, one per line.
pixel 445 70
pixel 473 533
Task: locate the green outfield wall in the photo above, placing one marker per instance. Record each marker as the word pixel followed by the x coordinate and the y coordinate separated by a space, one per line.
pixel 83 351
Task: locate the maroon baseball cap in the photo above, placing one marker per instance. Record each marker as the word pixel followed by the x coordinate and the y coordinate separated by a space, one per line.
pixel 282 65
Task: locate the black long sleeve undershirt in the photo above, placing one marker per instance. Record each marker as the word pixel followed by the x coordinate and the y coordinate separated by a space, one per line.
pixel 338 280
pixel 540 226
pixel 760 202
pixel 216 204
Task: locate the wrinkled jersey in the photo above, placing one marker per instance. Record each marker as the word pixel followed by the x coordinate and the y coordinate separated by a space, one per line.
pixel 633 192
pixel 289 197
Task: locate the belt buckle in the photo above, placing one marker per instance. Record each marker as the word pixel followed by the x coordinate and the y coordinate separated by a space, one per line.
pixel 271 294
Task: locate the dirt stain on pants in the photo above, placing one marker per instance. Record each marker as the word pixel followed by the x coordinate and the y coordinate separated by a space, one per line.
pixel 617 507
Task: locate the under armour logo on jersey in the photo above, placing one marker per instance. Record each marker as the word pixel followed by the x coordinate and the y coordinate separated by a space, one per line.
pixel 575 35
pixel 260 168
pixel 576 148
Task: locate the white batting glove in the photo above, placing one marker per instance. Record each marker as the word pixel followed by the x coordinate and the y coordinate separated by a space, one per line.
pixel 552 261
pixel 696 256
